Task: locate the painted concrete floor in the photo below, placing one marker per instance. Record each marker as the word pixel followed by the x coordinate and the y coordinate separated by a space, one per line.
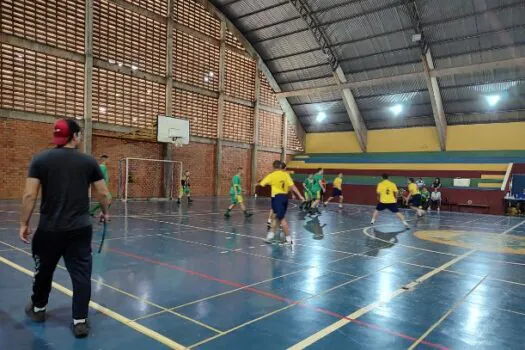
pixel 179 276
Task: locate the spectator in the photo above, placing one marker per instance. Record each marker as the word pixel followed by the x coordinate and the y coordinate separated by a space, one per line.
pixel 435 199
pixel 425 196
pixel 420 183
pixel 436 184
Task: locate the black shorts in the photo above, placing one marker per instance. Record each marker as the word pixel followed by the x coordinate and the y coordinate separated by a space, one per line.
pixel 336 192
pixel 416 200
pixel 390 206
pixel 279 205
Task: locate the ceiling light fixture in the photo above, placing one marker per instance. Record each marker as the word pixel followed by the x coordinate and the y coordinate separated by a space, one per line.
pixel 396 110
pixel 321 116
pixel 493 100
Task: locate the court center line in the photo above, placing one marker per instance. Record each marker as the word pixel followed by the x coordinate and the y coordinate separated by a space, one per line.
pixel 370 307
pixel 445 315
pixel 118 290
pixel 108 312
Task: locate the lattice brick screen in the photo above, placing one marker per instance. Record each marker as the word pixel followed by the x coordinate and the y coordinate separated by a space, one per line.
pixel 58 23
pixel 195 16
pixel 267 94
pixel 195 62
pixel 35 82
pixel 121 36
pixel 293 141
pixel 202 111
pixel 126 100
pixel 240 76
pixel 270 129
pixel 160 7
pixel 233 41
pixel 238 123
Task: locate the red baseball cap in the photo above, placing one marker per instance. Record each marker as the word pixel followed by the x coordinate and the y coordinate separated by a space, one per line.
pixel 64 129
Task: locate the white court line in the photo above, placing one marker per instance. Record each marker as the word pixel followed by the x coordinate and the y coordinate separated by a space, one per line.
pixel 337 325
pixel 445 315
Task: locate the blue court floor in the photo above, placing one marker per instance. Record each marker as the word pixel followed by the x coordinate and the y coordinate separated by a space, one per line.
pixel 185 277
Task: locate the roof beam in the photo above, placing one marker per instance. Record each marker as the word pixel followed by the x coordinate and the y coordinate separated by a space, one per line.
pixel 513 62
pixel 432 84
pixel 348 98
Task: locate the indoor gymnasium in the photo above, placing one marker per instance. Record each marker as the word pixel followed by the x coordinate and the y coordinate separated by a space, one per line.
pixel 262 174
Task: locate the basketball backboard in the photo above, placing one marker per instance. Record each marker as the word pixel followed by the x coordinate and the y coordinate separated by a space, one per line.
pixel 170 130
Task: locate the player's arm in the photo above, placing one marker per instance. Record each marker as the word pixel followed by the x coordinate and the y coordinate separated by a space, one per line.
pixel 28 205
pixel 102 193
pixel 378 193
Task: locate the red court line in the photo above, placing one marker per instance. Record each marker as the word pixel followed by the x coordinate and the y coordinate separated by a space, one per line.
pixel 272 296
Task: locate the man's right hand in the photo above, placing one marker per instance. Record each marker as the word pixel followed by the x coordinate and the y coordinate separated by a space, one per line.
pixel 104 218
pixel 25 233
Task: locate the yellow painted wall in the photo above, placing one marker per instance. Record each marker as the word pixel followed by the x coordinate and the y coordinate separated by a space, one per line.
pixel 332 142
pixel 422 139
pixel 499 136
pixel 475 137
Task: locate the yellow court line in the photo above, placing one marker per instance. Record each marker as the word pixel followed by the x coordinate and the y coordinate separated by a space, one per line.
pixel 134 297
pixel 355 315
pixel 445 315
pixel 104 310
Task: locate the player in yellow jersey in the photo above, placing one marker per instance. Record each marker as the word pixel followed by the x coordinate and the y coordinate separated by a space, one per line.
pixel 337 190
pixel 387 197
pixel 281 183
pixel 414 199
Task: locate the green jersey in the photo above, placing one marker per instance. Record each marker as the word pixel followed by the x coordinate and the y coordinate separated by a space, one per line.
pixel 236 185
pixel 308 183
pixel 104 170
pixel 425 195
pixel 316 186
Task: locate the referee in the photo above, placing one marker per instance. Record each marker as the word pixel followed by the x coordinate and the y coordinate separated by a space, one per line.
pixel 64 229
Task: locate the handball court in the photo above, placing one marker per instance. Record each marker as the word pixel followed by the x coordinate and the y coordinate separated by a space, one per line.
pixel 185 277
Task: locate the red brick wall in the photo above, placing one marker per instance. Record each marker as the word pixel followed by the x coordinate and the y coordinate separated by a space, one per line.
pixel 199 159
pixel 147 176
pixel 233 158
pixel 19 141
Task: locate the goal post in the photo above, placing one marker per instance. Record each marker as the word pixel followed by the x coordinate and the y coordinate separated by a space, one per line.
pixel 148 179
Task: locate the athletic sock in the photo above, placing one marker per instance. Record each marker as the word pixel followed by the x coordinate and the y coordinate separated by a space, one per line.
pixel 75 322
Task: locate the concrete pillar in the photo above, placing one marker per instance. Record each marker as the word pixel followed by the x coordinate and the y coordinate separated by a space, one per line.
pixel 285 138
pixel 88 79
pixel 168 147
pixel 256 126
pixel 220 119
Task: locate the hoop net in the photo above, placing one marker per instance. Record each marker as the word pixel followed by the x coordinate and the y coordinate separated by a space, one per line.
pixel 148 179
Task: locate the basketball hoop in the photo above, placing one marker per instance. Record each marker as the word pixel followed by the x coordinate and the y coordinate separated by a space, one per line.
pixel 177 141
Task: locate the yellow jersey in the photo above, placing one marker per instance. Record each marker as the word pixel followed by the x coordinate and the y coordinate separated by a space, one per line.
pixel 338 183
pixel 413 189
pixel 387 191
pixel 280 181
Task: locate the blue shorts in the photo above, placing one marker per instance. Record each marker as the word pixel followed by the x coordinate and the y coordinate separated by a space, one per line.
pixel 390 206
pixel 279 205
pixel 415 200
pixel 336 192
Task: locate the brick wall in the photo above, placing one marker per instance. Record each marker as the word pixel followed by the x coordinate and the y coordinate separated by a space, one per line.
pixel 19 141
pixel 233 158
pixel 199 159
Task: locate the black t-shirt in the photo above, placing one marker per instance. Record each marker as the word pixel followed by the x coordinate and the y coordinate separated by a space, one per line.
pixel 65 175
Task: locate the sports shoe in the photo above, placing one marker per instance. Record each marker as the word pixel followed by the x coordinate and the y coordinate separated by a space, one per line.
pixel 80 330
pixel 39 316
pixel 287 240
pixel 178 201
pixel 190 200
pixel 340 206
pixel 227 214
pixel 247 214
pixel 269 238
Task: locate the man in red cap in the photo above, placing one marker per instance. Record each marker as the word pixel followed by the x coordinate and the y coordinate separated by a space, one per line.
pixel 64 229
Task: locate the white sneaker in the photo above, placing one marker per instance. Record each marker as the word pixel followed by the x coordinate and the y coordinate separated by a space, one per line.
pixel 269 237
pixel 406 224
pixel 340 206
pixel 288 240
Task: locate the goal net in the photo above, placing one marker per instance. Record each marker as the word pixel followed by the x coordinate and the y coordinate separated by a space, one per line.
pixel 148 179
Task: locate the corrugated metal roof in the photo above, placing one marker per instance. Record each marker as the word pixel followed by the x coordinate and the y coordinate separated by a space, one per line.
pixel 373 39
